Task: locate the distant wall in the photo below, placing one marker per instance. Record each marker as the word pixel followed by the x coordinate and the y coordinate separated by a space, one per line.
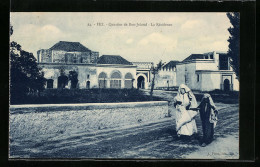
pixel 166 78
pixel 56 119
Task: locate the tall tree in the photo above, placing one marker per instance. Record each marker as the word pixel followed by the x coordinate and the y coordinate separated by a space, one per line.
pixel 25 75
pixel 234 41
pixel 155 70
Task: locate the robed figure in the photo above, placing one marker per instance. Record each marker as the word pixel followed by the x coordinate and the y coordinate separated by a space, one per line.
pixel 186 105
pixel 208 115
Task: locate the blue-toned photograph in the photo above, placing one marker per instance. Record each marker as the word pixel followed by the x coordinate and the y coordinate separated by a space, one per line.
pixel 124 85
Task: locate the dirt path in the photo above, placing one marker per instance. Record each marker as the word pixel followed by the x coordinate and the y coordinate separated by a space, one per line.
pixel 156 140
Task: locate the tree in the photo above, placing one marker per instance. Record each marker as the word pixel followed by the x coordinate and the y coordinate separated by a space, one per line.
pixel 25 75
pixel 154 72
pixel 234 41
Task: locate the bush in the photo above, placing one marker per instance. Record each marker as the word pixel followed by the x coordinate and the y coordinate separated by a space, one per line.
pixel 220 96
pixel 59 96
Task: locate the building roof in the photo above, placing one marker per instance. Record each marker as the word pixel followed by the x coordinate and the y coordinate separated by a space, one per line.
pixel 171 64
pixel 201 56
pixel 194 56
pixel 112 59
pixel 69 46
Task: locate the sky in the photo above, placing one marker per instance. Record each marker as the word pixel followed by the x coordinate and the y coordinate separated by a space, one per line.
pixel 177 35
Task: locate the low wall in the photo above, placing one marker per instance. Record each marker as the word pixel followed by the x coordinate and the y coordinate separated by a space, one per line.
pixel 53 119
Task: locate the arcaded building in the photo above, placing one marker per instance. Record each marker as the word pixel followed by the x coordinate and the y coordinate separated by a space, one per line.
pixel 72 65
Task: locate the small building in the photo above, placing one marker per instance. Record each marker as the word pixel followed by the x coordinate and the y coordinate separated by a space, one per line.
pixel 72 65
pixel 143 74
pixel 206 72
pixel 166 77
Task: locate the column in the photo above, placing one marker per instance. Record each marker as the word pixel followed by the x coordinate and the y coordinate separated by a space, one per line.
pixel 52 56
pixel 55 83
pixel 122 83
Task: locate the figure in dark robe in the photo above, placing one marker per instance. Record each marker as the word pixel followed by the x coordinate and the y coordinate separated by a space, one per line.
pixel 208 115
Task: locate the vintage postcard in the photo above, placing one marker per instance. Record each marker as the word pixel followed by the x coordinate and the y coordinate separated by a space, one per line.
pixel 124 85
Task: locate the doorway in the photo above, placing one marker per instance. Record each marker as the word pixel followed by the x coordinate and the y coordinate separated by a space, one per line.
pixel 226 85
pixel 140 82
pixel 88 84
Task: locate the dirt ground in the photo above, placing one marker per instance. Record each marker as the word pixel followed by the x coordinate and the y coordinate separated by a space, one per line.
pixel 147 141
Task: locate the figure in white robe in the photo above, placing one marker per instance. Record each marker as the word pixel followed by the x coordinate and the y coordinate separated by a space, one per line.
pixel 186 105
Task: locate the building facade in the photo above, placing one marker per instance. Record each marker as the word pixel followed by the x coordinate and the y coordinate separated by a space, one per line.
pixel 166 77
pixel 67 52
pixel 143 74
pixel 72 65
pixel 206 72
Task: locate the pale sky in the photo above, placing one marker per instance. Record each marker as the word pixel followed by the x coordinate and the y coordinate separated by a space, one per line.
pixel 190 33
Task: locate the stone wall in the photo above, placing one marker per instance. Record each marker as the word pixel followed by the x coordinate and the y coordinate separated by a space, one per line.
pixel 55 119
pixel 58 56
pixel 165 77
pixel 44 55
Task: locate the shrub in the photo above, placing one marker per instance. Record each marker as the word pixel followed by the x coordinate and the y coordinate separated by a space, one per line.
pixel 59 96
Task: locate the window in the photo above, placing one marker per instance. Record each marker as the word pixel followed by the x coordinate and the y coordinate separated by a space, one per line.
pixel 88 85
pixel 102 80
pixel 115 81
pixel 223 62
pixel 211 56
pixel 50 83
pixel 81 59
pixel 198 77
pixel 206 57
pixel 74 59
pixel 88 76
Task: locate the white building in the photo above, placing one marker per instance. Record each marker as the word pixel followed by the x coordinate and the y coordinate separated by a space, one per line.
pixel 166 77
pixel 65 59
pixel 206 72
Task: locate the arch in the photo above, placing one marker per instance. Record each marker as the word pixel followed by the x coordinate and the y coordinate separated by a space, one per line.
pixel 226 85
pixel 140 82
pixel 129 80
pixel 116 74
pixel 102 75
pixel 49 83
pixel 145 80
pixel 102 80
pixel 115 81
pixel 128 76
pixel 62 81
pixel 88 85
